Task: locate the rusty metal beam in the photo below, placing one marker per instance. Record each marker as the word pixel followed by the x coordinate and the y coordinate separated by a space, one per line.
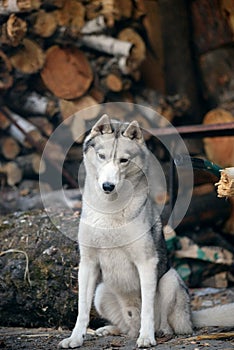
pixel 196 131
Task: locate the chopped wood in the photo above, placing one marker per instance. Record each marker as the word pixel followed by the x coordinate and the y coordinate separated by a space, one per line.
pixel 115 82
pixel 205 209
pixel 6 78
pixel 220 150
pixel 13 31
pixel 9 148
pixel 42 124
pixel 107 44
pixel 97 93
pixel 225 186
pixel 53 3
pixel 43 23
pixel 138 50
pixel 219 280
pixel 31 165
pixel 112 10
pixel 29 57
pixel 71 16
pixel 83 104
pixel 124 8
pixel 10 6
pixel 93 9
pixel 96 25
pixel 30 187
pixel 12 171
pixel 67 72
pixel 4 121
pixel 32 103
pixel 28 128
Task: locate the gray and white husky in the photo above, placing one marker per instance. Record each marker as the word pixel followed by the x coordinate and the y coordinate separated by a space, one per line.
pixel 122 249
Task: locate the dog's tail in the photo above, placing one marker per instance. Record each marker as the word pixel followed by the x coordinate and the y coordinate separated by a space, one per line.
pixel 222 315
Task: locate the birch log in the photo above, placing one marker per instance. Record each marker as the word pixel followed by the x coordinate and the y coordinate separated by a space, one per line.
pixel 32 103
pixel 28 128
pixel 107 44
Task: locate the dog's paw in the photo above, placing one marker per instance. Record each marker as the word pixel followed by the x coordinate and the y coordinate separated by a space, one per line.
pixel 107 330
pixel 146 342
pixel 164 332
pixel 71 343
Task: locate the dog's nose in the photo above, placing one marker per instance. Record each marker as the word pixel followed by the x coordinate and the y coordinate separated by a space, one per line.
pixel 108 186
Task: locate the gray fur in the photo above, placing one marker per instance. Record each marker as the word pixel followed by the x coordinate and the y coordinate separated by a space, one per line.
pixel 121 242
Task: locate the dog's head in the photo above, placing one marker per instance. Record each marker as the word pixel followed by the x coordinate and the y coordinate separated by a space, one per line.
pixel 114 151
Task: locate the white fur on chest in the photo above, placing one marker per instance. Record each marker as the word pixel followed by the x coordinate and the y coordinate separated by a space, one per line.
pixel 118 271
pixel 100 230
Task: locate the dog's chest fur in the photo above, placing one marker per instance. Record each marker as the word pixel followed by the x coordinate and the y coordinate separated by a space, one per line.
pixel 118 271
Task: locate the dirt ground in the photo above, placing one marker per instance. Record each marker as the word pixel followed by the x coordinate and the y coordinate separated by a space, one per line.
pixel 206 338
pixel 28 339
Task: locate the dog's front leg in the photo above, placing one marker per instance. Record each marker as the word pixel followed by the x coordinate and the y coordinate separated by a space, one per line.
pixel 88 273
pixel 148 279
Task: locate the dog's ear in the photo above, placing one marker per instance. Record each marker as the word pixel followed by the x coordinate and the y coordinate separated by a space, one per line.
pixel 102 126
pixel 134 132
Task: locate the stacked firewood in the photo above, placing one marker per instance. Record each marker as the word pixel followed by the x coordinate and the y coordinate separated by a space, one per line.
pixel 59 57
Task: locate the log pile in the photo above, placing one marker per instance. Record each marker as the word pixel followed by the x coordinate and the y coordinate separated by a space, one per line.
pixel 60 57
pixel 213 33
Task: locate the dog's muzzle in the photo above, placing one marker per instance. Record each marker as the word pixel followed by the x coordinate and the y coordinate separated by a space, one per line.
pixel 108 187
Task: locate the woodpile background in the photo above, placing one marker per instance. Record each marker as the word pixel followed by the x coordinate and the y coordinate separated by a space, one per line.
pixel 58 57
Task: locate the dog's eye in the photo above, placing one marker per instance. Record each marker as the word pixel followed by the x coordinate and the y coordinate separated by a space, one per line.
pixel 101 156
pixel 123 160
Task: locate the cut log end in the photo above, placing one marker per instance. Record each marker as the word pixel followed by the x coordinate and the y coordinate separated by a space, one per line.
pixel 225 186
pixel 29 58
pixel 67 72
pixel 9 148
